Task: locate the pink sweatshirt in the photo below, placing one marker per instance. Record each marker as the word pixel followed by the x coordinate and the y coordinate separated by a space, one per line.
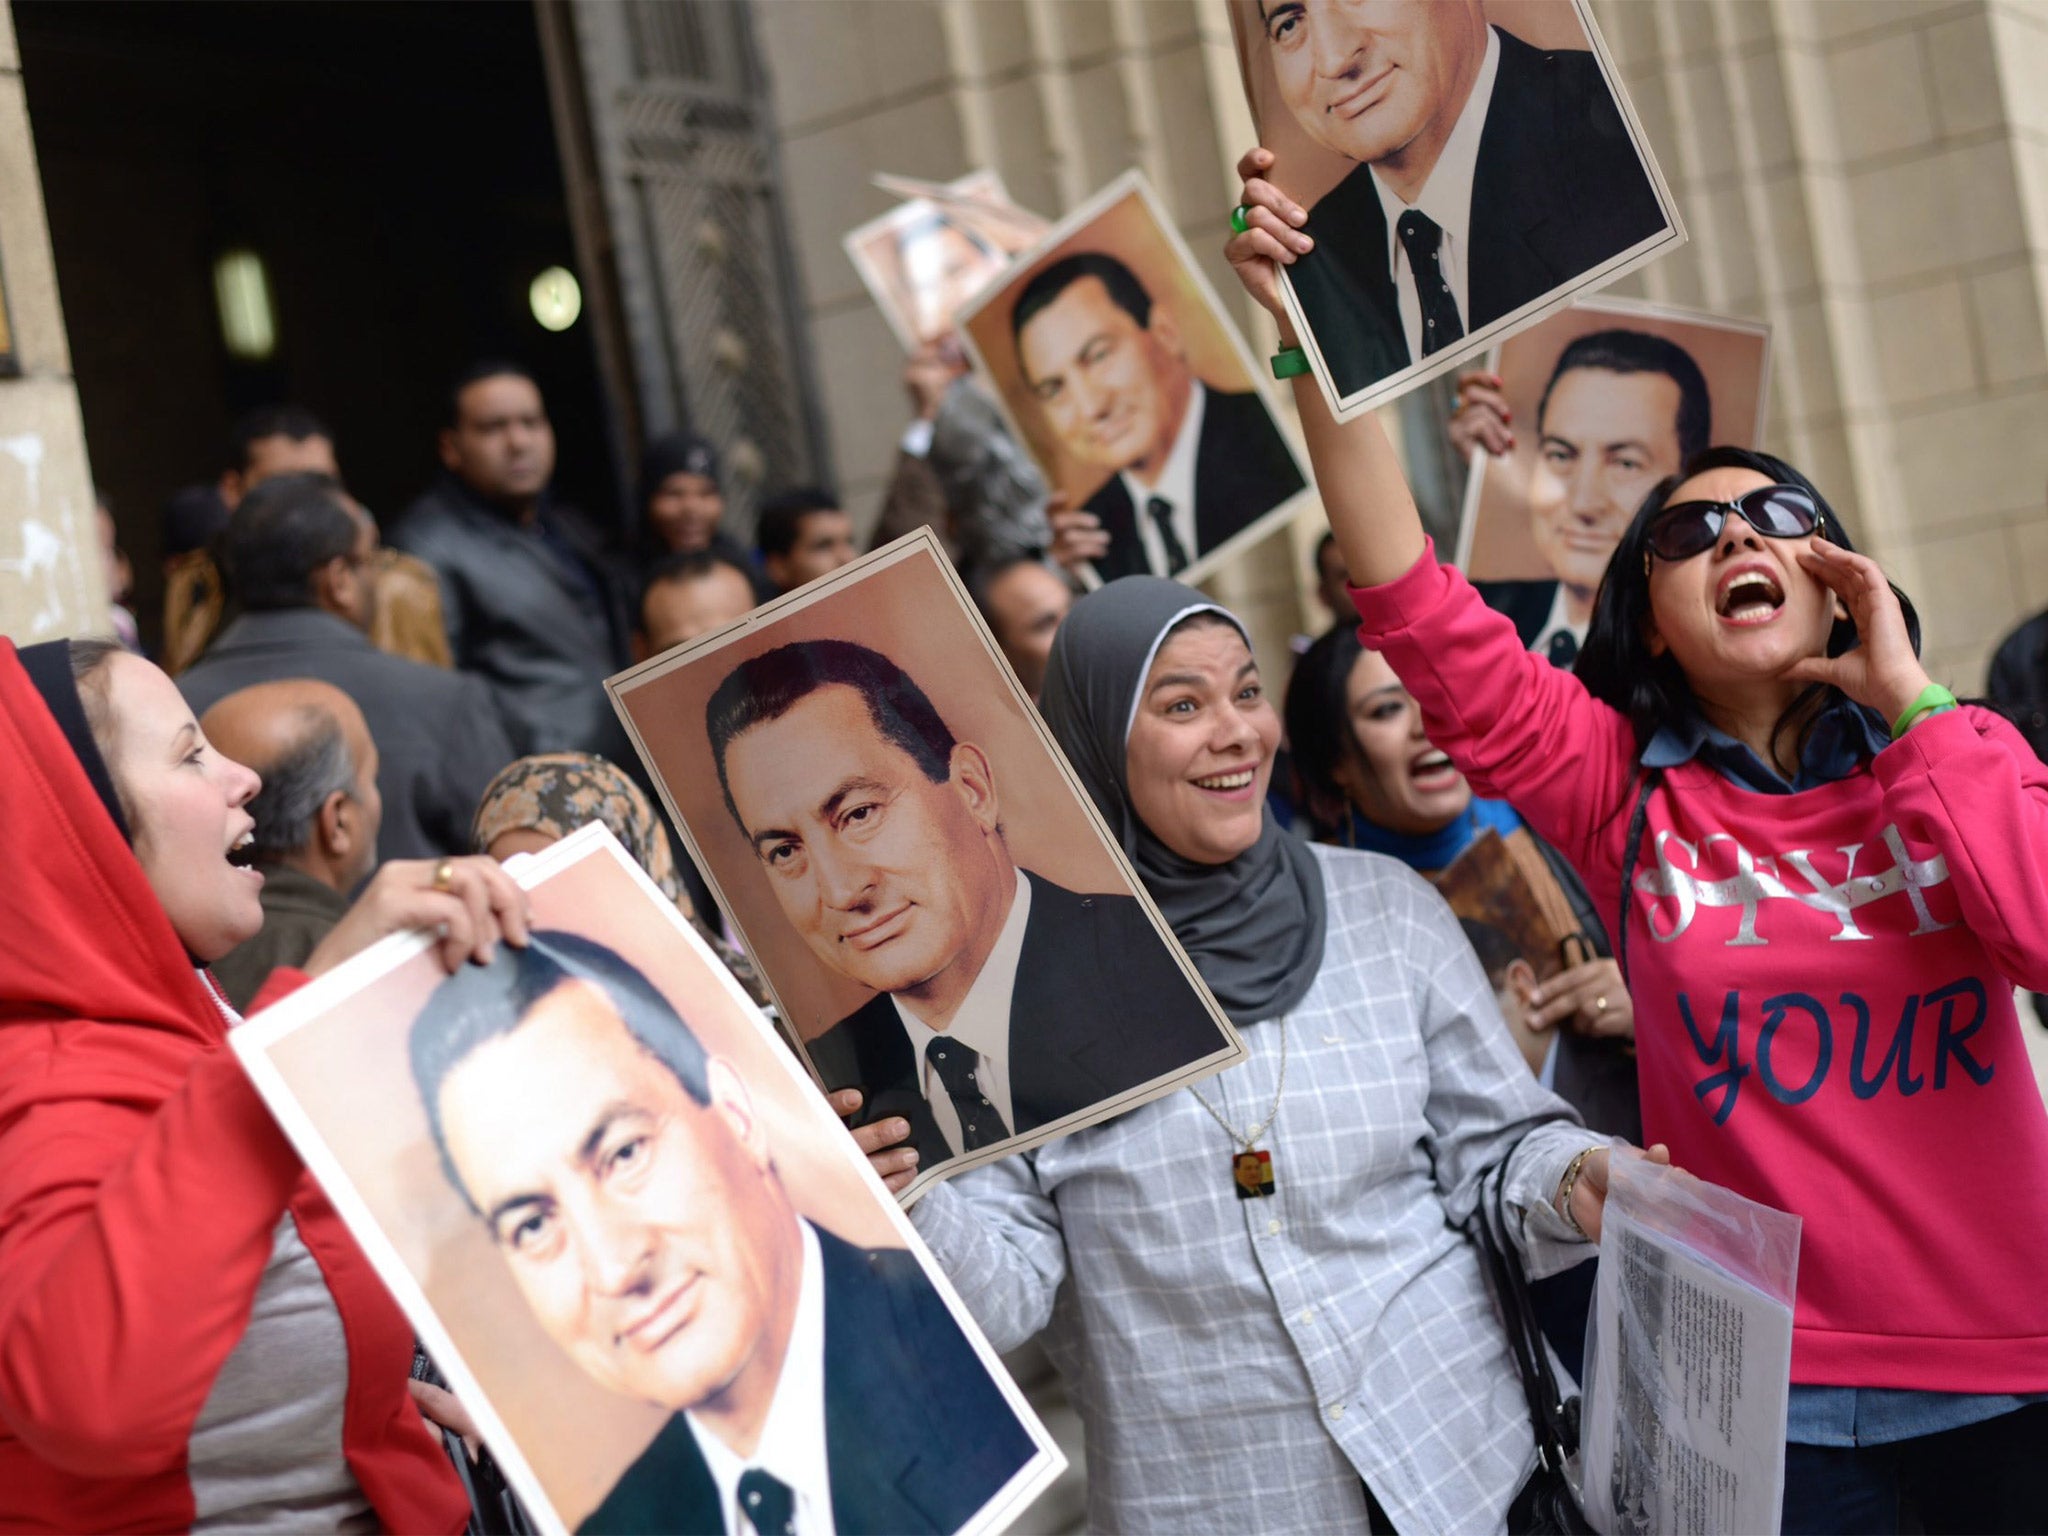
pixel 1822 983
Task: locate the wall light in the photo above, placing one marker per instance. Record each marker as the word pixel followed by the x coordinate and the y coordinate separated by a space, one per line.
pixel 556 299
pixel 248 323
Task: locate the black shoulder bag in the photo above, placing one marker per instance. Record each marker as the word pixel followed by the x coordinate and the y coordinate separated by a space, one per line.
pixel 1546 1506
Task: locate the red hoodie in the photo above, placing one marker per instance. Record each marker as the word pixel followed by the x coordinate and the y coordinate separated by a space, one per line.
pixel 141 1182
pixel 1822 983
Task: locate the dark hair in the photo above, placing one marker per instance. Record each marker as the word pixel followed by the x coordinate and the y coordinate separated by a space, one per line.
pixel 295 786
pixel 476 373
pixel 1324 545
pixel 284 531
pixel 1639 352
pixel 479 1003
pixel 689 565
pixel 1125 291
pixel 1616 664
pixel 193 518
pixel 252 427
pixel 1496 951
pixel 780 519
pixel 981 578
pixel 768 686
pixel 1318 716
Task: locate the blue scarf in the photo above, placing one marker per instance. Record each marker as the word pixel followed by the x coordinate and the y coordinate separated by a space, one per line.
pixel 1428 851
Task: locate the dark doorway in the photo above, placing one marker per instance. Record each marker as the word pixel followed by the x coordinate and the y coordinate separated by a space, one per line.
pixel 395 168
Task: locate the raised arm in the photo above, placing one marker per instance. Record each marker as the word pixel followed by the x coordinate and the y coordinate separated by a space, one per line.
pixel 1363 490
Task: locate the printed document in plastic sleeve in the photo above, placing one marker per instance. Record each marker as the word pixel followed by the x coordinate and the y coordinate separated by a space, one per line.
pixel 1689 1358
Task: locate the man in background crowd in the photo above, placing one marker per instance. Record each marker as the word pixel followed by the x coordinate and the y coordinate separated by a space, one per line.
pixel 1023 599
pixel 531 602
pixel 275 440
pixel 296 553
pixel 687 596
pixel 803 534
pixel 317 816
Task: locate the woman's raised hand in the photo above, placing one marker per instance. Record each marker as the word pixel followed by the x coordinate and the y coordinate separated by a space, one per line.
pixel 469 903
pixel 1272 235
pixel 1882 671
pixel 894 1164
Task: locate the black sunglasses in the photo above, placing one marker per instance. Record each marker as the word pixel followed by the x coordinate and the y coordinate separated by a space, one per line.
pixel 1685 528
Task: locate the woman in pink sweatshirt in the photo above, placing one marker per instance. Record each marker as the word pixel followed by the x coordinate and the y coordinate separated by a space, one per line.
pixel 1827 879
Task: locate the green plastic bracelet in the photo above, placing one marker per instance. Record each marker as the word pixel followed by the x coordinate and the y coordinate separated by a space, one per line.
pixel 1932 700
pixel 1288 362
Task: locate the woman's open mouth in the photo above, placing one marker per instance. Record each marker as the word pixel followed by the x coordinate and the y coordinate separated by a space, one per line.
pixel 1433 771
pixel 1749 596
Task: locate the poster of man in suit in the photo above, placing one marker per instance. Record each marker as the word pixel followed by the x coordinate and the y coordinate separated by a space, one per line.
pixel 634 1237
pixel 943 919
pixel 1609 396
pixel 1120 369
pixel 935 250
pixel 1467 166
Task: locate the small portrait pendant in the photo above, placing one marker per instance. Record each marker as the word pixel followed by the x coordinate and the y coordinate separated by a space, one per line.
pixel 1252 1172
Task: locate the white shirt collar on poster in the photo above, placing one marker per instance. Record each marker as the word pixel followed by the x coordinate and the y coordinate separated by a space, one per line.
pixel 1176 487
pixel 792 1447
pixel 982 1023
pixel 1446 200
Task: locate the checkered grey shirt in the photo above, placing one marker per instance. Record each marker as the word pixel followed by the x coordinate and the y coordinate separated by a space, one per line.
pixel 1240 1364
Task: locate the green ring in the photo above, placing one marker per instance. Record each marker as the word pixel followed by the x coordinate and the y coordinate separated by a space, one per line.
pixel 1238 220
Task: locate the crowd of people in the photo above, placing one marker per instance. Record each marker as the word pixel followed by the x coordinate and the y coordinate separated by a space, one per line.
pixel 1690 730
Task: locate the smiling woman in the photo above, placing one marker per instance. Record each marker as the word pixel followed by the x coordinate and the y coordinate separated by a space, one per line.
pixel 133 1145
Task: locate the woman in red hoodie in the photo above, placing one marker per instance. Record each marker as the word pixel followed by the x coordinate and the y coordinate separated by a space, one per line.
pixel 188 1337
pixel 1827 879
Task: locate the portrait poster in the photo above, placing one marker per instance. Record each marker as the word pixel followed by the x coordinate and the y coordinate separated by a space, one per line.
pixel 625 1226
pixel 915 868
pixel 1607 397
pixel 1467 166
pixel 1120 369
pixel 924 258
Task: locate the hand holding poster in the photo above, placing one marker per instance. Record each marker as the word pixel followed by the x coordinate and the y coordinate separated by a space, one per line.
pixel 943 918
pixel 1118 366
pixel 1690 1359
pixel 1466 167
pixel 650 1261
pixel 1609 397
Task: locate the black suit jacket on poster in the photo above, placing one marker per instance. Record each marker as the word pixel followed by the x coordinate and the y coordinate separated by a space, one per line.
pixel 1528 603
pixel 917 1435
pixel 1556 190
pixel 1243 470
pixel 1099 1008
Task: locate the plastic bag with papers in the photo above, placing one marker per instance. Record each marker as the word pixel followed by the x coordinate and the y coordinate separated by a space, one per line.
pixel 1688 1357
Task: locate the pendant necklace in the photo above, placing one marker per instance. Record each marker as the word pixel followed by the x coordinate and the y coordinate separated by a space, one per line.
pixel 1251 1170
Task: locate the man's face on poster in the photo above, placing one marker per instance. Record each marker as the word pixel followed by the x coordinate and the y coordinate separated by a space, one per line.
pixel 942 269
pixel 634 1220
pixel 1604 440
pixel 892 879
pixel 1368 77
pixel 1112 391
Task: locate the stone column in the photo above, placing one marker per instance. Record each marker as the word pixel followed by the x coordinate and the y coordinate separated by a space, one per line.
pixel 50 578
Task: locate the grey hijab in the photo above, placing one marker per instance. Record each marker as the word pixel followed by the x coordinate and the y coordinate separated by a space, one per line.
pixel 1254 927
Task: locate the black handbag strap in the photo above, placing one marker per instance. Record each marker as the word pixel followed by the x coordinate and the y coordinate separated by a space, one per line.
pixel 1553 1419
pixel 1637 822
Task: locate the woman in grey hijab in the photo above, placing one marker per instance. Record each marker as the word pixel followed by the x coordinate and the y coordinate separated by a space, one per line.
pixel 1257 1290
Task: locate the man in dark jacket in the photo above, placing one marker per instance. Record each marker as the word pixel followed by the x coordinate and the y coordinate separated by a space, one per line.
pixel 315 838
pixel 532 603
pixel 296 554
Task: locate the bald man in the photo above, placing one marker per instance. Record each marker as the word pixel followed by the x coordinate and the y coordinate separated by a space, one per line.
pixel 317 815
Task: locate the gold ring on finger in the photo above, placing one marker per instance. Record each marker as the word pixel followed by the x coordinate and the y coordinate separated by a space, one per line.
pixel 444 875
